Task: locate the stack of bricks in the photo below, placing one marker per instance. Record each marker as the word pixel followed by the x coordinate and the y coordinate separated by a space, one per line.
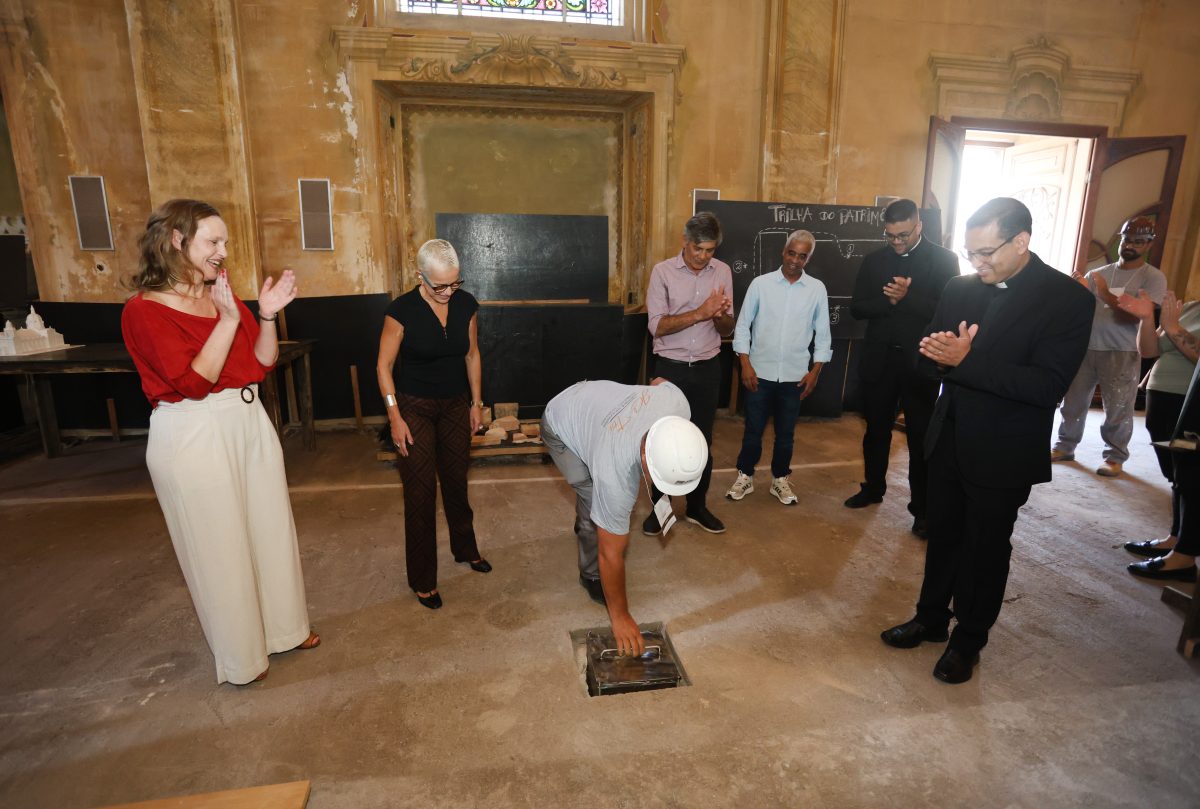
pixel 505 426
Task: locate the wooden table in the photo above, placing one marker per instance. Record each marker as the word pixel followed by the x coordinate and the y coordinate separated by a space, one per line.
pixel 111 358
pixel 1189 636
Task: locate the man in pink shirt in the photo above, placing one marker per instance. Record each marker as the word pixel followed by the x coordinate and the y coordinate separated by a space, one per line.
pixel 690 306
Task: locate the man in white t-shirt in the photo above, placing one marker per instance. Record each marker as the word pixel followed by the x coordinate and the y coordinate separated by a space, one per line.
pixel 608 440
pixel 1112 359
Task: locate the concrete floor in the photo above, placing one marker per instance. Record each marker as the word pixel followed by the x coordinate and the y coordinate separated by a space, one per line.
pixel 107 693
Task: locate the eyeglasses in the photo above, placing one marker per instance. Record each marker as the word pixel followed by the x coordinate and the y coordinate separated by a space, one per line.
pixel 984 254
pixel 1138 241
pixel 440 288
pixel 898 237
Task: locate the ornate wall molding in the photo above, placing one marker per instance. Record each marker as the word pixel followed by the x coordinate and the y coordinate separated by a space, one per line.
pixel 559 73
pixel 502 59
pixel 1035 82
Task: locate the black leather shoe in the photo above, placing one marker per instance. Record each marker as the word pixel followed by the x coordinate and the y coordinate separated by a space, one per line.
pixel 862 499
pixel 911 634
pixel 706 520
pixel 650 527
pixel 433 601
pixel 1153 569
pixel 920 528
pixel 482 566
pixel 954 667
pixel 1147 549
pixel 595 589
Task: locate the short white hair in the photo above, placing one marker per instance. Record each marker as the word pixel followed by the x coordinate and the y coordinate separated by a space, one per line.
pixel 801 236
pixel 438 252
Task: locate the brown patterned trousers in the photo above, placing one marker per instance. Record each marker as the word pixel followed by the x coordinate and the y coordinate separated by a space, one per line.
pixel 441 451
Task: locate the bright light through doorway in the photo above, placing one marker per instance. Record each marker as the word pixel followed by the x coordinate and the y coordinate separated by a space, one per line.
pixel 1047 173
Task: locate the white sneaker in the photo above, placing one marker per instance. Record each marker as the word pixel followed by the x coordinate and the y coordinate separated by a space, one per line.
pixel 782 489
pixel 741 487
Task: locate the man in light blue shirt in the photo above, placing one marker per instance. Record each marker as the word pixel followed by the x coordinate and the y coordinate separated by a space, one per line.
pixel 783 313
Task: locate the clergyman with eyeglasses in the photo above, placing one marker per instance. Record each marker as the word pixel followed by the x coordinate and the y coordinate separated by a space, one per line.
pixel 1112 359
pixel 896 291
pixel 1005 342
pixel 434 406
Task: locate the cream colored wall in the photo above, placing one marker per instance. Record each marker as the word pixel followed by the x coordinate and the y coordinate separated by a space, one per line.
pixel 718 124
pixel 887 91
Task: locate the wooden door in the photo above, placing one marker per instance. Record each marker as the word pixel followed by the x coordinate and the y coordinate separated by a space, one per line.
pixel 943 169
pixel 1048 175
pixel 1129 177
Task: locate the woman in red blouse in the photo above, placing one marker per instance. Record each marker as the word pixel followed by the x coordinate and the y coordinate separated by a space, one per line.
pixel 213 454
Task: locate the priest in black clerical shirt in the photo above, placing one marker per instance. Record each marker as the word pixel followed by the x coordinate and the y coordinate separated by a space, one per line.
pixel 896 292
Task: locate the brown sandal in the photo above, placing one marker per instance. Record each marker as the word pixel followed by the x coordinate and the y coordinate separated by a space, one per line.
pixel 313 641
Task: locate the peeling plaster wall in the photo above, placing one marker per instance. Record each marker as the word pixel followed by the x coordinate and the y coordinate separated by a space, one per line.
pixel 888 91
pixel 303 124
pixel 69 98
pixel 717 137
pixel 69 71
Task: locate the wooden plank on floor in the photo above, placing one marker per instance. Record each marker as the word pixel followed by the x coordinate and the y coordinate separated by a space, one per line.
pixel 274 796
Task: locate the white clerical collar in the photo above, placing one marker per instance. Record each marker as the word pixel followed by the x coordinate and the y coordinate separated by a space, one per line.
pixel 914 247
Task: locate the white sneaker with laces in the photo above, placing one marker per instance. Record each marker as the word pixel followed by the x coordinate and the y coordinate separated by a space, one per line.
pixel 741 487
pixel 782 489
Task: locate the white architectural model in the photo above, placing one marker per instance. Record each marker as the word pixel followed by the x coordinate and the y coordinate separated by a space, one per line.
pixel 35 338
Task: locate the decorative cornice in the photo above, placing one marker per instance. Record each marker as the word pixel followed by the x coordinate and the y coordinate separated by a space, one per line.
pixel 502 59
pixel 1035 81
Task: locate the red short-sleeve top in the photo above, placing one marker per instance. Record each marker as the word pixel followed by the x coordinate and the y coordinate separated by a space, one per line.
pixel 164 341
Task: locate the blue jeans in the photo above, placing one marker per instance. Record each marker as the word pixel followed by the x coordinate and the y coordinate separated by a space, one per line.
pixel 780 400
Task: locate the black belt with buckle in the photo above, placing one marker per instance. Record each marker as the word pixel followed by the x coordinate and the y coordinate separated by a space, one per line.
pixel 248 391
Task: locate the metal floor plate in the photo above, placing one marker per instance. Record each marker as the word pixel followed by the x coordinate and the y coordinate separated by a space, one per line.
pixel 606 672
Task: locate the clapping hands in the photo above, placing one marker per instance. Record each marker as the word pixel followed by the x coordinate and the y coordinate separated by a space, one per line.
pixel 1141 307
pixel 897 289
pixel 277 294
pixel 717 304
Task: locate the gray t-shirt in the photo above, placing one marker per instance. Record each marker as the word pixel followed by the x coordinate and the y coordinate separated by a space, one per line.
pixel 603 423
pixel 1109 333
pixel 1173 371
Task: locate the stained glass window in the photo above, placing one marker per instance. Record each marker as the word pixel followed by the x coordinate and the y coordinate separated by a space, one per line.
pixel 595 12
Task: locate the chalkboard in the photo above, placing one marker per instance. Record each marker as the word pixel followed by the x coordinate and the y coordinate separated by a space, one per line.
pixel 524 257
pixel 755 234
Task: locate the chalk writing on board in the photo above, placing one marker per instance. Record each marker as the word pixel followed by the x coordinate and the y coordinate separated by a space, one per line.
pixel 756 234
pixel 769 244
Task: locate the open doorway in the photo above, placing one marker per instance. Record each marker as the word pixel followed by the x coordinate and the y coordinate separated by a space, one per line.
pixel 1046 172
pixel 1072 176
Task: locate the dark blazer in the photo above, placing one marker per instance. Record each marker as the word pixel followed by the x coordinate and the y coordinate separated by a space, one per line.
pixel 1000 399
pixel 929 266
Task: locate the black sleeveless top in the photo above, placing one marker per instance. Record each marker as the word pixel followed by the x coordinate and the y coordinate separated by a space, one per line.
pixel 431 360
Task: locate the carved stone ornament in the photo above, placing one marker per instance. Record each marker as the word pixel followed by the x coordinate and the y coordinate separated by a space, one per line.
pixel 499 59
pixel 1036 82
pixel 517 60
pixel 513 61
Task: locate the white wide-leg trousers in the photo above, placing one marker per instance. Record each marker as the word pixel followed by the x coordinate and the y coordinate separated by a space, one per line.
pixel 218 472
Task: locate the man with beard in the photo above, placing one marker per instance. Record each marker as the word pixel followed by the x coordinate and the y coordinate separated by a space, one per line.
pixel 1112 358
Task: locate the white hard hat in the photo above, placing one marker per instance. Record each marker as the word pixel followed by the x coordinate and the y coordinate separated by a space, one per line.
pixel 676 454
